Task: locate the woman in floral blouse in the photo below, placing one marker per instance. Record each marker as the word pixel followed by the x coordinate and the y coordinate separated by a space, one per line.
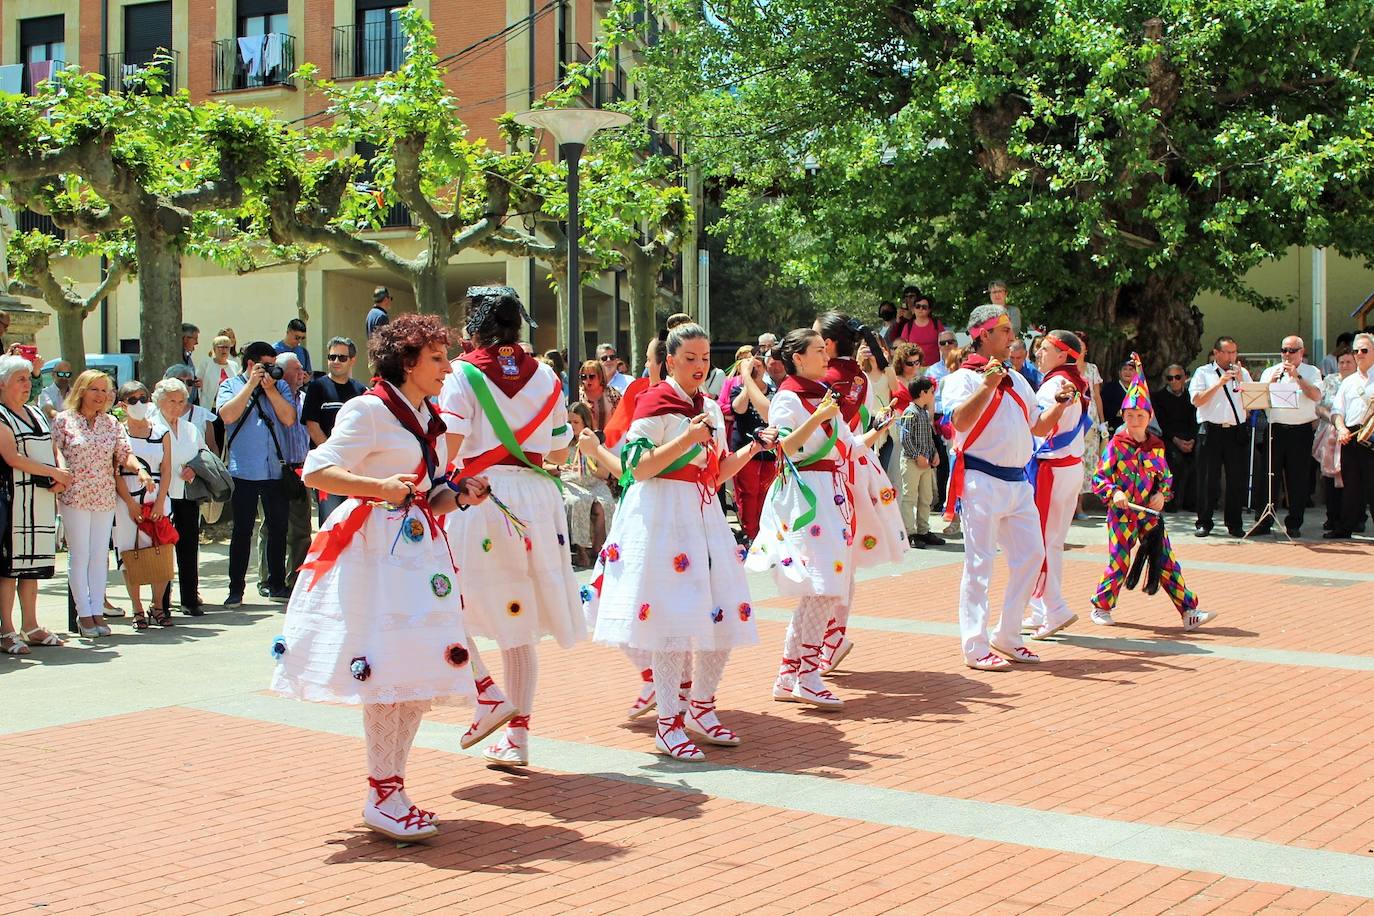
pixel 90 443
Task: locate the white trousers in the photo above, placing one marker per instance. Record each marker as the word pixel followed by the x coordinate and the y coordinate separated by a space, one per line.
pixel 1050 607
pixel 88 556
pixel 997 513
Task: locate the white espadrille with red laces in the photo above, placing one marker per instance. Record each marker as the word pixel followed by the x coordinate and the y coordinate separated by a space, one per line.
pixel 493 711
pixel 702 722
pixel 1020 655
pixel 787 681
pixel 390 813
pixel 835 647
pixel 671 739
pixel 647 699
pixel 513 748
pixel 810 689
pixel 990 662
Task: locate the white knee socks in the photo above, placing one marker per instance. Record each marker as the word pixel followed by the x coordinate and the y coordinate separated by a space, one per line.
pixel 707 668
pixel 669 669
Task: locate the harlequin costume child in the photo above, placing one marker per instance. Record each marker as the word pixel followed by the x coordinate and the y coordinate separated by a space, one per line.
pixel 1134 481
pixel 375 616
pixel 506 414
pixel 672 577
pixel 878 530
pixel 1056 474
pixel 806 534
pixel 995 414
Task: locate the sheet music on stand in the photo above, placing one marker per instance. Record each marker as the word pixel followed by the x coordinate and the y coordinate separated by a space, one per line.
pixel 1255 396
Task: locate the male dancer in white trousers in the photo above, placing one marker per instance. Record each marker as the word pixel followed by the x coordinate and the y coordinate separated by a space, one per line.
pixel 995 413
pixel 1056 474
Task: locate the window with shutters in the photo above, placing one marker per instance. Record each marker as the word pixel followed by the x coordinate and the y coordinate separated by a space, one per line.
pixel 393 215
pixel 42 48
pixel 373 44
pixel 147 43
pixel 261 53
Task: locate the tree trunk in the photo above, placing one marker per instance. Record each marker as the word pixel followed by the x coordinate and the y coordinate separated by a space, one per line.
pixel 159 293
pixel 642 274
pixel 431 290
pixel 1155 318
pixel 71 338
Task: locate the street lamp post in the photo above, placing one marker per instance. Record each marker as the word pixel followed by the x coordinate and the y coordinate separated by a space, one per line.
pixel 572 128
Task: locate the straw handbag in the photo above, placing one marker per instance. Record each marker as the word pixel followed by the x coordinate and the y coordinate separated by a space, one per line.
pixel 152 565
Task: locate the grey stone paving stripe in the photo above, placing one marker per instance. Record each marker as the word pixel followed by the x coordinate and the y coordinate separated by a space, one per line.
pixel 1250 860
pixel 1125 644
pixel 1302 572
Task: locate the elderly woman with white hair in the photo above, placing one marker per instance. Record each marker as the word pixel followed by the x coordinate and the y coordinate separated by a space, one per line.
pixel 152 449
pixel 29 482
pixel 173 418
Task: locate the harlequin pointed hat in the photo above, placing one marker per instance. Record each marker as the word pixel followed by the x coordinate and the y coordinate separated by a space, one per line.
pixel 1138 392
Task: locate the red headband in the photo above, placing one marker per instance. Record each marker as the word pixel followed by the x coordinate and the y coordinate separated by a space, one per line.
pixel 989 324
pixel 1065 347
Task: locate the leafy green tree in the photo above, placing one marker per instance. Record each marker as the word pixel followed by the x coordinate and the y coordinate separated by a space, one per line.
pixel 633 211
pixel 457 189
pixel 143 162
pixel 31 257
pixel 1109 158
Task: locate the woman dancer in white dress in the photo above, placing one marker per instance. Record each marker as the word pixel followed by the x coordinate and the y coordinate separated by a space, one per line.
pixel 806 535
pixel 375 617
pixel 506 418
pixel 672 576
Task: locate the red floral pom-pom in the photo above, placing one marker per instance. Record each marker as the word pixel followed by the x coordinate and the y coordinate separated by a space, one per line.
pixel 680 562
pixel 644 611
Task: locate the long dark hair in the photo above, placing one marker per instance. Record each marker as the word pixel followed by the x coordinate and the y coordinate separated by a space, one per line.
pixel 793 344
pixel 846 332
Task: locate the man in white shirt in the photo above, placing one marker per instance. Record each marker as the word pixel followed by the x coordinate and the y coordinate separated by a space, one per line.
pixel 51 398
pixel 618 380
pixel 995 414
pixel 1224 440
pixel 1349 412
pixel 1292 429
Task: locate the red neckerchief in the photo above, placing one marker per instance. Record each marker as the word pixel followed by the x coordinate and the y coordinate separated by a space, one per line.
pixel 661 400
pixel 844 375
pixel 401 410
pixel 978 362
pixel 624 412
pixel 1125 441
pixel 507 366
pixel 804 387
pixel 1075 378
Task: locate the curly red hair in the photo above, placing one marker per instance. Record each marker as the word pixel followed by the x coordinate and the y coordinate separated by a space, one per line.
pixel 395 347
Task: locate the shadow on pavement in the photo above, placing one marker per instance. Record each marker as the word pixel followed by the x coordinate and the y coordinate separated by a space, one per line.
pixel 479 846
pixel 583 797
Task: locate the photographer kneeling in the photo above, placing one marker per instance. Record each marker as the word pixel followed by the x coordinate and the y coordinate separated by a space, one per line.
pixel 257 407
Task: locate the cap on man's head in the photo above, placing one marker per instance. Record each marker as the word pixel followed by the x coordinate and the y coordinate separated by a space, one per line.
pixel 380 294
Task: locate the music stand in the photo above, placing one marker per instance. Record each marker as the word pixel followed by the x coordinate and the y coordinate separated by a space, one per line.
pixel 1256 396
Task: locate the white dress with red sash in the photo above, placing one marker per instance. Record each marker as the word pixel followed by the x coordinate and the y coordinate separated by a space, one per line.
pixel 806 530
pixel 519 584
pixel 671 576
pixel 382 621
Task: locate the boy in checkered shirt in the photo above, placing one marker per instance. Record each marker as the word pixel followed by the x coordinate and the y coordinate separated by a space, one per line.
pixel 919 460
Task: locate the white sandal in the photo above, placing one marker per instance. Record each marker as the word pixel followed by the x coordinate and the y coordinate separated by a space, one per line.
pixel 52 639
pixel 17 645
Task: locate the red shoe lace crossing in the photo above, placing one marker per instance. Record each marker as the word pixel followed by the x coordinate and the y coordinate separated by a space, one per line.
pixel 684 690
pixel 719 731
pixel 683 748
pixel 789 666
pixel 832 629
pixel 810 660
pixel 385 788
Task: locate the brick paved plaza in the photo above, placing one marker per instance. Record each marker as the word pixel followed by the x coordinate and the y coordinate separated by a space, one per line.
pixel 1139 770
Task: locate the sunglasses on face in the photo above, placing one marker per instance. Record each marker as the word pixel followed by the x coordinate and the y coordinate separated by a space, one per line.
pixel 1290 349
pixel 610 358
pixel 947 343
pixel 924 306
pixel 337 357
pixel 63 374
pixel 1173 378
pixel 1360 350
pixel 136 399
pixel 910 363
pixel 591 377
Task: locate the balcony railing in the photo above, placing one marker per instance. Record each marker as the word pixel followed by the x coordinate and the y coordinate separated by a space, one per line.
pixel 120 69
pixel 35 73
pixel 28 221
pixel 252 63
pixel 366 50
pixel 395 217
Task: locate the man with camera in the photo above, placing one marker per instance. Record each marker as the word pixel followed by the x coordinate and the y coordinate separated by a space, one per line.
pixel 1293 429
pixel 1351 414
pixel 1223 440
pixel 257 407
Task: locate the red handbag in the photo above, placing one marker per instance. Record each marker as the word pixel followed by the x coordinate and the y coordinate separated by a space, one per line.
pixel 161 532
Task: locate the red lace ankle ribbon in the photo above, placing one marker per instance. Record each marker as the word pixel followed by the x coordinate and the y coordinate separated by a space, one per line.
pixel 387 787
